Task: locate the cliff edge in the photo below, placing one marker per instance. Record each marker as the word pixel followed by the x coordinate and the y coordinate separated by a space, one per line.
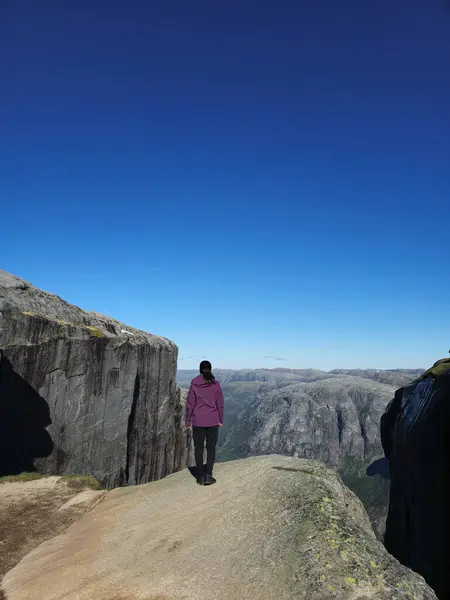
pixel 272 528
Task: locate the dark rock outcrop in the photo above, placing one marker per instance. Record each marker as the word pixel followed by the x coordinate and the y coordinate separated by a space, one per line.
pixel 415 435
pixel 109 391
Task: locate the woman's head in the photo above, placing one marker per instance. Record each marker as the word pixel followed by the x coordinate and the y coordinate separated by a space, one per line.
pixel 205 370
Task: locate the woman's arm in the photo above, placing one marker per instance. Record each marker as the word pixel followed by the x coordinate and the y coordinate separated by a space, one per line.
pixel 190 405
pixel 219 402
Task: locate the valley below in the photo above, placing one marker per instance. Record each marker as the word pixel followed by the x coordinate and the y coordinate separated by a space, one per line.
pixel 330 416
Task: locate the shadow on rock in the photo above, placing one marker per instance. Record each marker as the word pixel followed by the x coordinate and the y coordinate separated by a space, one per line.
pixel 379 467
pixel 24 416
pixel 193 472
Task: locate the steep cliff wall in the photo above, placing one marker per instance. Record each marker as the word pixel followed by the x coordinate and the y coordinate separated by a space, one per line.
pixel 415 436
pixel 329 420
pixel 84 393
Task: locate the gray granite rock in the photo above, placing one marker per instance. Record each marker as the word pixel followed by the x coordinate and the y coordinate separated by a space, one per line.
pixel 272 528
pixel 328 420
pixel 109 391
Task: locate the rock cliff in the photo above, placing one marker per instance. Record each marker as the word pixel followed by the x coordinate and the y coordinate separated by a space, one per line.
pixel 415 435
pixel 272 528
pixel 329 420
pixel 83 393
pixel 328 416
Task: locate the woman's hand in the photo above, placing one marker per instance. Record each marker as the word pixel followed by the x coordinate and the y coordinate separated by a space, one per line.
pixel 220 425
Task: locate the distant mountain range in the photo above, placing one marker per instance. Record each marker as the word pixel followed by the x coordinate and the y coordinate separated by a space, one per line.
pixel 306 412
pixel 330 416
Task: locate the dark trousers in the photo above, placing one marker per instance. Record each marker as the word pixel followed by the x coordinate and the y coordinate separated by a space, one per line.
pixel 211 435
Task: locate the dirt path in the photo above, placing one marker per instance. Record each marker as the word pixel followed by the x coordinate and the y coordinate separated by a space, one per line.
pixel 32 512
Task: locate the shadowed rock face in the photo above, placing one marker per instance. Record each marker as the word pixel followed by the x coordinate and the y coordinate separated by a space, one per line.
pixel 24 417
pixel 415 435
pixel 109 389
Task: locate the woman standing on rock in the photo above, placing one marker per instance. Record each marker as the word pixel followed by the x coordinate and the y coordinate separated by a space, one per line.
pixel 204 412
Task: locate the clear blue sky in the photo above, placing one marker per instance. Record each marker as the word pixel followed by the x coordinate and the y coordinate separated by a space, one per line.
pixel 255 180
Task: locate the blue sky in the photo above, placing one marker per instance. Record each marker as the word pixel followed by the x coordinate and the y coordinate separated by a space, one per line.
pixel 255 180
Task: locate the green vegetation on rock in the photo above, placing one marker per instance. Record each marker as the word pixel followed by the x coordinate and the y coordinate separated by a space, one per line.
pixel 372 491
pixel 92 330
pixel 95 331
pixel 80 482
pixel 64 323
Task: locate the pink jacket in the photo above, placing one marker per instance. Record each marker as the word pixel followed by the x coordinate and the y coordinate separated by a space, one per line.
pixel 204 406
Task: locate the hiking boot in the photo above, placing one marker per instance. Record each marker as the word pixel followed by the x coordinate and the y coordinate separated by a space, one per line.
pixel 209 480
pixel 200 481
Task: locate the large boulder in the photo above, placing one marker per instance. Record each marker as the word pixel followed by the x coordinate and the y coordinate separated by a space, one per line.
pixel 272 528
pixel 415 432
pixel 83 393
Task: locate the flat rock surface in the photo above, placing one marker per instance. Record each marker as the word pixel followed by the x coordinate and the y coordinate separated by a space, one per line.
pixel 271 528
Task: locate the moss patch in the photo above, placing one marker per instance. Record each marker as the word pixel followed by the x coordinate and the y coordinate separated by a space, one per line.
pixel 78 483
pixel 95 331
pixel 64 323
pixel 92 330
pixel 21 477
pixel 335 544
